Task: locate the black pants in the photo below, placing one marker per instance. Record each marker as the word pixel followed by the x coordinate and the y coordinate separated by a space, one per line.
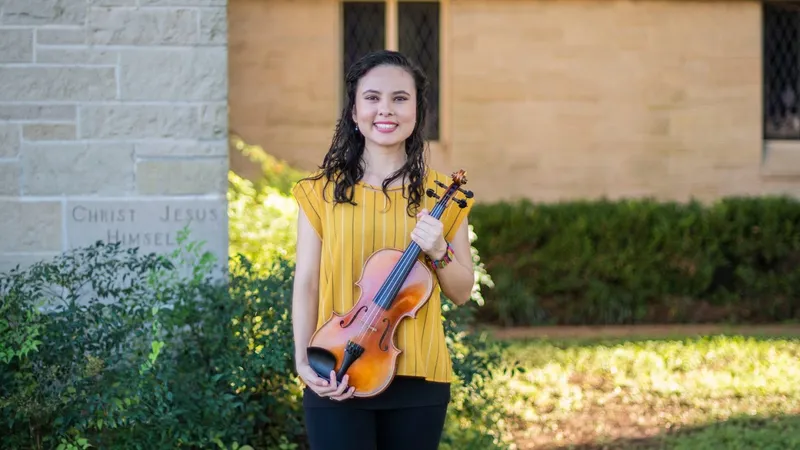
pixel 412 428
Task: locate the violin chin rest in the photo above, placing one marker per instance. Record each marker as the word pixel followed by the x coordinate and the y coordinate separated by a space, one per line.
pixel 322 361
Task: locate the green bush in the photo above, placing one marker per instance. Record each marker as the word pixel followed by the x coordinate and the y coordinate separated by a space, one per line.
pixel 275 174
pixel 262 213
pixel 136 352
pixel 261 223
pixel 641 261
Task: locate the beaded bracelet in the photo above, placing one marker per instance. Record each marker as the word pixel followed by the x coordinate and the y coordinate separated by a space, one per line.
pixel 441 263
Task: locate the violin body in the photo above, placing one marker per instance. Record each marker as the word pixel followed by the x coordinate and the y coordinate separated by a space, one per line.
pixel 371 326
pixel 394 285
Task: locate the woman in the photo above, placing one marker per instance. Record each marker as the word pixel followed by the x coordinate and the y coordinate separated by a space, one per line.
pixel 369 194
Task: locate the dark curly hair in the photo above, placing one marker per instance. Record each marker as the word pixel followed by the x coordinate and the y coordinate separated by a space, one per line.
pixel 343 164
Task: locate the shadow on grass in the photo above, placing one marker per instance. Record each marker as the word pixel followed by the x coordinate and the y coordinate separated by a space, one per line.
pixel 740 433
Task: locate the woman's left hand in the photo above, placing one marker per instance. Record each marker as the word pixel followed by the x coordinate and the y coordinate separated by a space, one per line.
pixel 429 235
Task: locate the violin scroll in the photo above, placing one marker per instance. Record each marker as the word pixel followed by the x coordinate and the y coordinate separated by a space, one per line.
pixel 459 179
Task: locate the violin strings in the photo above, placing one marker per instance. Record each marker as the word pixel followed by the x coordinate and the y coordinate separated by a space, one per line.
pixel 393 279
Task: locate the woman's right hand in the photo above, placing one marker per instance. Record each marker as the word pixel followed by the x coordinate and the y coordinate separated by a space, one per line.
pixel 323 387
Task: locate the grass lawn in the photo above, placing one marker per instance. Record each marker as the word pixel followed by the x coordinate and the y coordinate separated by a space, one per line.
pixel 714 392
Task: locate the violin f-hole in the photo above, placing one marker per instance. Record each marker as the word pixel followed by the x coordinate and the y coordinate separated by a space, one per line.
pixel 352 318
pixel 382 343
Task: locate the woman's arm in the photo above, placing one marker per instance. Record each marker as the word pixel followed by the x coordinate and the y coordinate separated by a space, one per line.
pixel 305 307
pixel 305 295
pixel 458 277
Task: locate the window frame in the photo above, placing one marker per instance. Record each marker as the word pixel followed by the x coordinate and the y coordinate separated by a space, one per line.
pixel 780 155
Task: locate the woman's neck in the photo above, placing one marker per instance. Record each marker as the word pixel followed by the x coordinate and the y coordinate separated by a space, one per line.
pixel 381 162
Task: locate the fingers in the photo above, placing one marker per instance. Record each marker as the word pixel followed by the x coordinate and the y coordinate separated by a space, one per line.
pixel 339 393
pixel 429 226
pixel 424 219
pixel 318 381
pixel 433 228
pixel 315 382
pixel 333 385
pixel 349 393
pixel 330 387
pixel 428 237
pixel 424 242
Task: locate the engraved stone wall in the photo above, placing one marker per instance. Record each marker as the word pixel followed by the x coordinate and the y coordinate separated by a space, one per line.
pixel 113 124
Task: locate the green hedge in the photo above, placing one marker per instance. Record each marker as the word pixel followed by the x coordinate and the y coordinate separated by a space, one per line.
pixel 640 261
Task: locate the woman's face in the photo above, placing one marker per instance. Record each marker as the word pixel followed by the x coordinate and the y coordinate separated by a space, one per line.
pixel 386 106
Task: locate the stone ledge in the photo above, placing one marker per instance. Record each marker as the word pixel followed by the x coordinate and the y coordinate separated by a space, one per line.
pixel 781 159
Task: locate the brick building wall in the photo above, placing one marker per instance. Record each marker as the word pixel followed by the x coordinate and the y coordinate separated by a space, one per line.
pixel 113 124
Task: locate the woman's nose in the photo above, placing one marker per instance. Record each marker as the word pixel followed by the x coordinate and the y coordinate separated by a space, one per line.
pixel 385 109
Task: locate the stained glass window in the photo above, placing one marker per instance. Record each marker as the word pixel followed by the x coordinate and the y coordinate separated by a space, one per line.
pixel 418 38
pixel 364 28
pixel 781 71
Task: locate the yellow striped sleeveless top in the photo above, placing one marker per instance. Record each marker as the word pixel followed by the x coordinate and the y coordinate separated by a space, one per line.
pixel 351 233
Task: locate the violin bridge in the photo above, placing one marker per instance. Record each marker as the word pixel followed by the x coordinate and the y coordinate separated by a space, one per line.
pixel 369 327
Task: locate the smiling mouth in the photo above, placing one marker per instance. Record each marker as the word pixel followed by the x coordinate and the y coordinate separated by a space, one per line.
pixel 385 127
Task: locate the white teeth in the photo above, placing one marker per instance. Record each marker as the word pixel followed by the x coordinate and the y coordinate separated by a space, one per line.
pixel 385 126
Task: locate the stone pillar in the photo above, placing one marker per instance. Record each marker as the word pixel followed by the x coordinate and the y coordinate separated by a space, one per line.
pixel 113 124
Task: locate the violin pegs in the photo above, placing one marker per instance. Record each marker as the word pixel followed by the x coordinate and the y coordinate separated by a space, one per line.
pixel 431 193
pixel 440 184
pixel 466 193
pixel 461 202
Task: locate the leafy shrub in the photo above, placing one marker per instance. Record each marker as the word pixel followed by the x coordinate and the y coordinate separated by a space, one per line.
pixel 262 213
pixel 74 376
pixel 275 174
pixel 634 261
pixel 261 223
pixel 134 351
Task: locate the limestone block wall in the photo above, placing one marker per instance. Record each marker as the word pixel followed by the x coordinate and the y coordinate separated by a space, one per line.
pixel 113 124
pixel 548 100
pixel 563 100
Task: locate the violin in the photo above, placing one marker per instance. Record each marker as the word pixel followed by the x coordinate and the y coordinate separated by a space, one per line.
pixel 394 286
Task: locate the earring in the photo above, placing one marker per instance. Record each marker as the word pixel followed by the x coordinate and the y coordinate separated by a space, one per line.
pixel 356 127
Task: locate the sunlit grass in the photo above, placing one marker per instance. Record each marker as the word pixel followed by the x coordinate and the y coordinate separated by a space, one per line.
pixel 593 392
